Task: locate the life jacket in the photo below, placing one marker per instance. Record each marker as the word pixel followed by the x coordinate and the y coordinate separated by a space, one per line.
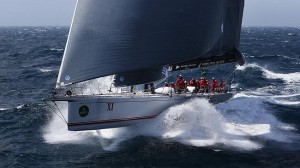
pixel 172 85
pixel 180 83
pixel 201 82
pixel 192 83
pixel 214 85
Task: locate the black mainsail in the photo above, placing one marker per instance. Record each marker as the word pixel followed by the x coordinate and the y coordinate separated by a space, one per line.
pixel 110 37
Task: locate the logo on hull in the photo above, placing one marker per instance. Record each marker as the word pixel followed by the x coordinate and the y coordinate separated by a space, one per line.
pixel 83 111
pixel 110 106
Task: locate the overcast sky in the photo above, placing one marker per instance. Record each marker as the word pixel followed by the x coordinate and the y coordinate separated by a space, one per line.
pixel 59 12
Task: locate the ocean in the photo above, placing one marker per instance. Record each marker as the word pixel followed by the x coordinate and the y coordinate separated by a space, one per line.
pixel 258 127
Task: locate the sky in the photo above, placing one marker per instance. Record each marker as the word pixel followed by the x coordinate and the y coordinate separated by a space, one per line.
pixel 59 12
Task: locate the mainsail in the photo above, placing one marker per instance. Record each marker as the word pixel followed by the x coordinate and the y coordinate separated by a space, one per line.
pixel 126 37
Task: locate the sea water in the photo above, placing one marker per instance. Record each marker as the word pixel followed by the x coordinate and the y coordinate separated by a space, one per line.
pixel 258 127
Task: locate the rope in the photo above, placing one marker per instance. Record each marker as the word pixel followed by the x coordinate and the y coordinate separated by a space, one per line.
pixel 60 112
pixel 227 78
pixel 61 117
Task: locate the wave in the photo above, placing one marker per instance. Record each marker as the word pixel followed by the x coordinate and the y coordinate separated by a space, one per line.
pixel 3 109
pixel 11 108
pixel 286 103
pixel 21 106
pixel 288 77
pixel 285 100
pixel 57 49
pixel 48 69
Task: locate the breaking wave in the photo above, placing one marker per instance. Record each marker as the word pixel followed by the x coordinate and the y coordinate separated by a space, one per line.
pixel 47 69
pixel 288 77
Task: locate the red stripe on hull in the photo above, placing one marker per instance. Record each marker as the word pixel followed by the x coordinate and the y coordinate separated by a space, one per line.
pixel 111 121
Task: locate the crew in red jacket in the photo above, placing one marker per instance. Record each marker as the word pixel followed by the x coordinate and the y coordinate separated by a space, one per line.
pixel 180 85
pixel 214 85
pixel 222 86
pixel 172 85
pixel 201 84
pixel 165 84
pixel 192 82
pixel 206 83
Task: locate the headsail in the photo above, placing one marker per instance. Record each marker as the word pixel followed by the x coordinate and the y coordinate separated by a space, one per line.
pixel 226 50
pixel 112 36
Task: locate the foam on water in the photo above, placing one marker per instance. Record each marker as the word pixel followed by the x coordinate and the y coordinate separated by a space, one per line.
pixel 57 49
pixel 20 106
pixel 289 77
pixel 48 69
pixel 197 123
pixel 287 103
pixel 252 111
pixel 56 131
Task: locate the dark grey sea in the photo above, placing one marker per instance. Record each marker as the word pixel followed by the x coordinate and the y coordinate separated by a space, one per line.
pixel 259 127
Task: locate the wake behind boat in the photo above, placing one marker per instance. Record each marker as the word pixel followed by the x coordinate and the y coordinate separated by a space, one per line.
pixel 135 41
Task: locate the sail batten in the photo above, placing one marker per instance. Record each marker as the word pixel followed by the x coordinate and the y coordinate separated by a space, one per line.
pixel 116 37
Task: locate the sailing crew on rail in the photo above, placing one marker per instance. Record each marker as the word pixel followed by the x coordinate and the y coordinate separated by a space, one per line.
pixel 185 86
pixel 206 84
pixel 197 86
pixel 166 84
pixel 201 84
pixel 180 86
pixel 172 85
pixel 214 85
pixel 192 82
pixel 222 86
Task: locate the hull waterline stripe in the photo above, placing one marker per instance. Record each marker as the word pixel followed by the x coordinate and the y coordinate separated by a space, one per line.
pixel 111 121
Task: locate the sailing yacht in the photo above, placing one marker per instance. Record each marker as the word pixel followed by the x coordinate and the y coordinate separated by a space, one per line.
pixel 134 40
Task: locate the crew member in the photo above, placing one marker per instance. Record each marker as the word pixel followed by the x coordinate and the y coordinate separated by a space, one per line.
pixel 172 85
pixel 192 82
pixel 180 86
pixel 214 85
pixel 206 83
pixel 222 86
pixel 165 84
pixel 203 73
pixel 197 87
pixel 201 84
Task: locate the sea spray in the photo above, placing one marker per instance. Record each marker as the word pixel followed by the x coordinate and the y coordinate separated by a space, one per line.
pixel 196 123
pixel 251 115
pixel 287 77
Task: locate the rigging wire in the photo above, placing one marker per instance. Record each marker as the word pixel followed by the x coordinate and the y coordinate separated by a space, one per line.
pixel 60 116
pixel 231 74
